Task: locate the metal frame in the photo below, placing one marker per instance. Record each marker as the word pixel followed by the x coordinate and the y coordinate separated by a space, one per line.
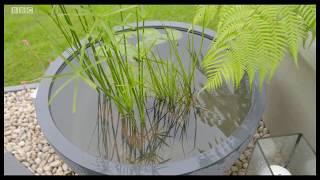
pixel 299 137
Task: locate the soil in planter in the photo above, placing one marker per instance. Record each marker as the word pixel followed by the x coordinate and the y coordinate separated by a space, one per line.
pixel 170 135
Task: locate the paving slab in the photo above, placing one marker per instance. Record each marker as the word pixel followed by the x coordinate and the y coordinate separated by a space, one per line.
pixel 13 167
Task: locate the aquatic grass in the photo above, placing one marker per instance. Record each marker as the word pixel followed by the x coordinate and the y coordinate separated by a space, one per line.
pixel 128 76
pixel 96 73
pixel 140 70
pixel 187 77
pixel 163 79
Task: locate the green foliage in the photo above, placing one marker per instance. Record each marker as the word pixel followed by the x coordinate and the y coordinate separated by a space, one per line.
pixel 250 39
pixel 116 80
pixel 125 73
pixel 39 29
pixel 253 39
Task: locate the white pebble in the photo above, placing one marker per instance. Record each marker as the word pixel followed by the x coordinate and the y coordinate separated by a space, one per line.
pixel 37 160
pixel 256 136
pixel 40 170
pixel 266 135
pixel 247 153
pixel 251 145
pixel 18 131
pixel 47 173
pixel 245 165
pixel 50 159
pixel 55 163
pixel 6 117
pixel 54 170
pixel 43 163
pixel 21 143
pixel 6 133
pixel 238 164
pixel 45 148
pixel 242 157
pixel 9 148
pixel 60 169
pixel 33 155
pixel 34 166
pixel 26 163
pixel 234 168
pixel 51 150
pixel 65 167
pixel 47 168
pixel 14 136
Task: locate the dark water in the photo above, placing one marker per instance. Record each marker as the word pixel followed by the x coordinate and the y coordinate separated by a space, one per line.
pixel 96 128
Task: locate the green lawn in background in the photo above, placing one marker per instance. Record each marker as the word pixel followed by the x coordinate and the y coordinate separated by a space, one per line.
pixel 23 63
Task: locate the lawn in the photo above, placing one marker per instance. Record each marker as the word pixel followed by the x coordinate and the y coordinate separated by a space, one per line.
pixel 28 63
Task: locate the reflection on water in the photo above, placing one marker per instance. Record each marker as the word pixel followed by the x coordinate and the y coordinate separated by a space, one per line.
pixel 227 109
pixel 170 134
pixel 119 140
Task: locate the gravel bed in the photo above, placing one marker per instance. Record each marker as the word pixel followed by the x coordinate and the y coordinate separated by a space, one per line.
pixel 241 165
pixel 24 139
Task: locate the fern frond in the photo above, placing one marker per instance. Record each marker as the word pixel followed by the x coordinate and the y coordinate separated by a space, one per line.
pixel 295 29
pixel 308 13
pixel 253 39
pixel 226 33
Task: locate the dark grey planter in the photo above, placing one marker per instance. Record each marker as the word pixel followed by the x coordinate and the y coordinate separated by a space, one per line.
pixel 215 161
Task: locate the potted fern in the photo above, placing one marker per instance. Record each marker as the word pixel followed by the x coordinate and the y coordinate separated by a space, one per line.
pixel 155 97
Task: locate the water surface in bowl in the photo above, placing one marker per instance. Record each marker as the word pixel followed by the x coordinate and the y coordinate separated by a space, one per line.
pixel 95 127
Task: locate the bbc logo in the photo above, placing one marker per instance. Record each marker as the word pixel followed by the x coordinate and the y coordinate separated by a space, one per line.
pixel 21 10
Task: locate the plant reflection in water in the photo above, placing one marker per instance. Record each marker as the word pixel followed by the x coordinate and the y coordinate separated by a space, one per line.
pixel 121 139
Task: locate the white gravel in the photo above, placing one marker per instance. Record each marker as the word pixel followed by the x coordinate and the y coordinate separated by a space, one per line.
pixel 241 165
pixel 24 139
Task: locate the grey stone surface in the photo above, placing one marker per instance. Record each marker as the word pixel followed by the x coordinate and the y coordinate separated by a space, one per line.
pixel 20 87
pixel 13 167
